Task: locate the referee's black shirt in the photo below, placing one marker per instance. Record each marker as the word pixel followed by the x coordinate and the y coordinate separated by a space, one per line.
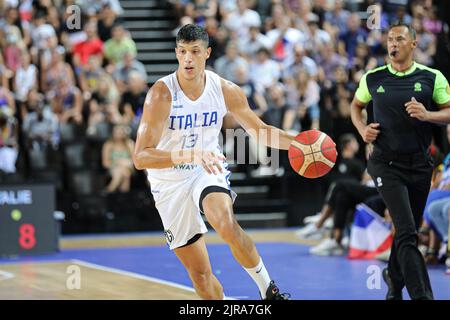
pixel 390 90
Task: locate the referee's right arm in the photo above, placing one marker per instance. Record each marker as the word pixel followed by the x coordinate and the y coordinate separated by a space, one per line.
pixel 362 97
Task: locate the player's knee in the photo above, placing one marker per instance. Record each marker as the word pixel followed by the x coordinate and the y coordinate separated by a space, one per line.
pixel 201 278
pixel 228 230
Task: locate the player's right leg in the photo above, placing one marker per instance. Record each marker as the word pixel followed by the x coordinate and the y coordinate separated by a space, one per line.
pixel 195 259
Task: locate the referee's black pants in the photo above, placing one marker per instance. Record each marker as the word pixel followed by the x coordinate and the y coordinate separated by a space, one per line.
pixel 403 182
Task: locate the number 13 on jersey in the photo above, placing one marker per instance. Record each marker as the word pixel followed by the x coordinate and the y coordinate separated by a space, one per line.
pixel 189 141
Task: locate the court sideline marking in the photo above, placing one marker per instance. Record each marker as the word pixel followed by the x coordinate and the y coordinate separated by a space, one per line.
pixel 6 275
pixel 134 275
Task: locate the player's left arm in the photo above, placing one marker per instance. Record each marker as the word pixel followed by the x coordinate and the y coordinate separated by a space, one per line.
pixel 441 96
pixel 237 105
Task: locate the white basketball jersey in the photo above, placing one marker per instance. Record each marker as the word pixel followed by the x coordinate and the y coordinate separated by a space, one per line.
pixel 191 125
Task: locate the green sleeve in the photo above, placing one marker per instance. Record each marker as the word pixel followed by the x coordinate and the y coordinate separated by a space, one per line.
pixel 362 93
pixel 107 49
pixel 441 92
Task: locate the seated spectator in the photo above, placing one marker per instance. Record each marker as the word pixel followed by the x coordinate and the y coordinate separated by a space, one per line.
pixel 103 105
pixel 240 20
pixel 264 72
pixel 283 39
pixel 67 102
pixel 87 48
pixel 328 60
pixel 40 125
pixel 432 23
pixel 350 171
pixel 299 62
pixel 11 27
pixel 106 21
pixel 133 99
pixel 346 195
pixel 226 65
pixel 184 21
pixel 120 44
pixel 26 78
pixel 336 19
pixel 302 14
pixel 90 76
pixel 5 74
pixel 278 114
pixel 43 36
pixel 362 61
pixel 12 51
pixel 94 6
pixel 426 44
pixel 307 101
pixel 9 148
pixel 255 40
pixel 338 95
pixel 117 159
pixel 218 43
pixel 438 217
pixel 355 34
pixel 200 10
pixel 7 103
pixel 316 38
pixel 124 68
pixel 400 15
pixel 255 100
pixel 56 69
pixel 436 211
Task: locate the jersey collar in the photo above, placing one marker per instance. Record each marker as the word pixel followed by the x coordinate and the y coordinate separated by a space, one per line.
pixel 402 73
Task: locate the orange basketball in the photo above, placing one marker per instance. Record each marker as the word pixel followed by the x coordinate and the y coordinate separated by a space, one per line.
pixel 312 154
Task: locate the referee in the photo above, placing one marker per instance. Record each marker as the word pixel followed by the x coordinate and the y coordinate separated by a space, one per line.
pixel 402 94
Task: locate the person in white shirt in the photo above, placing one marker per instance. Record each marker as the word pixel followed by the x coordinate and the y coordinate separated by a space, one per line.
pixel 250 45
pixel 264 71
pixel 283 39
pixel 226 65
pixel 240 20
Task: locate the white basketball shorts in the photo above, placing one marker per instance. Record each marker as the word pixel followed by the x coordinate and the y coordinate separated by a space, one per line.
pixel 178 204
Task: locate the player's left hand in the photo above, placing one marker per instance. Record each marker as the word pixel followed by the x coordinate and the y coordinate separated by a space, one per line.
pixel 416 109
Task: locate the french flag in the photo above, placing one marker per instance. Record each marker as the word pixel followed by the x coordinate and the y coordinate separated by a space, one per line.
pixel 370 234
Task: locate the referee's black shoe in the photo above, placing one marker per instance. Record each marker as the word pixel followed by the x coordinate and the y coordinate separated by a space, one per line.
pixel 273 293
pixel 392 293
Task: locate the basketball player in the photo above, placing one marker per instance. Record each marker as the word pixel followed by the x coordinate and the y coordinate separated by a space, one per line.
pixel 177 143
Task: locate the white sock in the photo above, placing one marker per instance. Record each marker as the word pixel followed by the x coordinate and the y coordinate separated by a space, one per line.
pixel 261 277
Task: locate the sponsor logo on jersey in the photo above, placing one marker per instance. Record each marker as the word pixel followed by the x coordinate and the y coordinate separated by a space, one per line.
pixel 380 89
pixel 417 87
pixel 185 166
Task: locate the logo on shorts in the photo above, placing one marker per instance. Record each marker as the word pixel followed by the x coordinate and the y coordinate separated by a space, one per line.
pixel 169 236
pixel 379 182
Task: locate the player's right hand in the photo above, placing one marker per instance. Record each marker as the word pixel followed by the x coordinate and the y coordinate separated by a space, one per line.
pixel 371 132
pixel 210 161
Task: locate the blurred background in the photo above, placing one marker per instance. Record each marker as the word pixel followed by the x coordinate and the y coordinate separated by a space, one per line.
pixel 74 75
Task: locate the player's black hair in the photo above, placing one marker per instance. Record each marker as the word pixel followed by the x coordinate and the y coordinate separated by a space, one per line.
pixel 192 32
pixel 411 30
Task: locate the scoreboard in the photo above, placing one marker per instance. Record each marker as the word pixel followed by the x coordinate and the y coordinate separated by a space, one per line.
pixel 27 223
